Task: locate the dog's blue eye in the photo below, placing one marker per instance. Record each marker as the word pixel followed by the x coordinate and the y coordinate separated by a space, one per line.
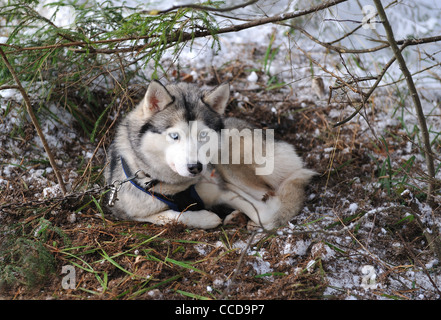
pixel 174 135
pixel 203 134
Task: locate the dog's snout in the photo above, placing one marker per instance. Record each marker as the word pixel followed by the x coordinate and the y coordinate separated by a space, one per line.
pixel 195 168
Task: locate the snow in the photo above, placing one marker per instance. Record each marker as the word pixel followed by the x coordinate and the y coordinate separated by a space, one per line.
pixel 252 77
pixel 353 207
pixel 10 94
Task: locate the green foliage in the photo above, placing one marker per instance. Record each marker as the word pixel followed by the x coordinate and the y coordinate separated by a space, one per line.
pixel 106 47
pixel 392 177
pixel 24 255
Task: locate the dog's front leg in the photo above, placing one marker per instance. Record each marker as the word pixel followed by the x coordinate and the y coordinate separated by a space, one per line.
pixel 193 219
pixel 260 212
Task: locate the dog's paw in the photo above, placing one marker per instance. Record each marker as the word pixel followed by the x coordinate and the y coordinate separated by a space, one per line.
pixel 252 226
pixel 212 221
pixel 203 219
pixel 237 218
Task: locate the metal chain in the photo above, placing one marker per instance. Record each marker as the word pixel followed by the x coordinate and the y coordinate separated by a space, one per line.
pixel 77 195
pixel 113 187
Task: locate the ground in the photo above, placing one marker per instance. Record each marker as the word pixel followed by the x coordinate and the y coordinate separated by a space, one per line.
pixel 356 237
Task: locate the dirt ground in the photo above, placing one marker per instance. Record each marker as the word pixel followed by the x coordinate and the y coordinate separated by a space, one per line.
pixel 73 249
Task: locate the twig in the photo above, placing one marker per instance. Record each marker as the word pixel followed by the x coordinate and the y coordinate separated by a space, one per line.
pixel 368 94
pixel 349 20
pixel 34 121
pixel 238 266
pixel 333 47
pixel 414 94
pixel 432 239
pixel 423 267
pixel 5 87
pixel 340 79
pixel 201 7
pixel 366 97
pixel 54 200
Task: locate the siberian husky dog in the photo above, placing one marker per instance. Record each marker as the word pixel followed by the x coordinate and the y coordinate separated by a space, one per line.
pixel 175 157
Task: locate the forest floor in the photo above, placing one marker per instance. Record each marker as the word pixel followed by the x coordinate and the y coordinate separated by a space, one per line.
pixel 356 237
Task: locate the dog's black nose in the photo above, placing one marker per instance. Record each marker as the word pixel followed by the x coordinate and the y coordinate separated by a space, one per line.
pixel 195 168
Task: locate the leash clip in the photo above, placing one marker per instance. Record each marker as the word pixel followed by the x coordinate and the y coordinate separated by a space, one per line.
pixel 113 197
pixel 116 186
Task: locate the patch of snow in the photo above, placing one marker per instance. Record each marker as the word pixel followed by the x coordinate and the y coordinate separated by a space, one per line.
pixel 353 207
pixel 202 249
pixel 252 77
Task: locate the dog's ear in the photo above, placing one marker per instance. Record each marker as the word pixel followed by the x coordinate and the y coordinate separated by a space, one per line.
pixel 156 98
pixel 218 98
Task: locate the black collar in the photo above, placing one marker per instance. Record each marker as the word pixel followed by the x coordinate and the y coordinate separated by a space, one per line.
pixel 187 200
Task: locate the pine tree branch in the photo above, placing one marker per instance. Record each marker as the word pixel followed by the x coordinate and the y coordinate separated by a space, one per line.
pixel 203 33
pixel 186 36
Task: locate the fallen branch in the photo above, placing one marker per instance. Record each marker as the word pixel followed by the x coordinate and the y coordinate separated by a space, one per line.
pixel 34 121
pixel 11 207
pixel 238 266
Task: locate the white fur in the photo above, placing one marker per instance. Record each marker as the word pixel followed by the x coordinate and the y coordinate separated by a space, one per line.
pixel 169 157
pixel 267 211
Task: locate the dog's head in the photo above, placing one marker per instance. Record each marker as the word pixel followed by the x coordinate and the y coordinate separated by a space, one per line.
pixel 181 123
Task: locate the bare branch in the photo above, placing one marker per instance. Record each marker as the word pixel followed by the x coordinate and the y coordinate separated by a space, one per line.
pixel 337 48
pixel 355 90
pixel 414 93
pixel 434 238
pixel 34 121
pixel 200 7
pixel 369 93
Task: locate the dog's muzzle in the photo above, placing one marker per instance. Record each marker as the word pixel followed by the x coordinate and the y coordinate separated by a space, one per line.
pixel 195 168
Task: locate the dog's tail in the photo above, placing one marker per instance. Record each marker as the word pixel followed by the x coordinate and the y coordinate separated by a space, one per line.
pixel 291 194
